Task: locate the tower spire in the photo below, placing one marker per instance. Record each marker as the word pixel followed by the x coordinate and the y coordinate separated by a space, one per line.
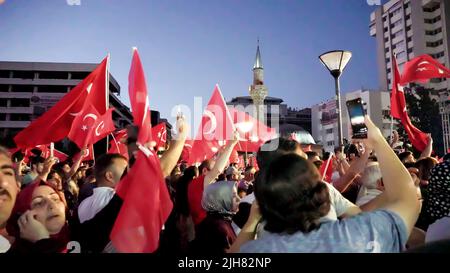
pixel 258 62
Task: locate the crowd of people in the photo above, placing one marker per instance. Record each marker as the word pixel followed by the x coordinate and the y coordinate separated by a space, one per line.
pixel 378 200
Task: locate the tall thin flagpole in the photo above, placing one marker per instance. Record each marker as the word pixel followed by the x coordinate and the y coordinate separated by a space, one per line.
pixel 392 129
pixel 107 93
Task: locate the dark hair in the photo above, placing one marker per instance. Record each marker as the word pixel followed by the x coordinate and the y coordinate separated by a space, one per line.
pixel 205 164
pixel 264 156
pixel 311 154
pixel 338 149
pixel 291 196
pixel 103 163
pixel 446 157
pixel 181 191
pixel 409 165
pixel 36 160
pixel 425 165
pixel 352 149
pixel 402 156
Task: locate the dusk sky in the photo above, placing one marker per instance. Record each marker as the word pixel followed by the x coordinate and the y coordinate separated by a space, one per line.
pixel 187 46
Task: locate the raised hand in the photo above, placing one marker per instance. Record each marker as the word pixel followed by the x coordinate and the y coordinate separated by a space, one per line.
pixel 31 229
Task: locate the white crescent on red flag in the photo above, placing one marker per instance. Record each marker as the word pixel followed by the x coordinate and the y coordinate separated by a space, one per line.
pixel 55 124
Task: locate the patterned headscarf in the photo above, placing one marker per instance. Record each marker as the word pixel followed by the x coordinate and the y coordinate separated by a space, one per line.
pixel 437 204
pixel 218 198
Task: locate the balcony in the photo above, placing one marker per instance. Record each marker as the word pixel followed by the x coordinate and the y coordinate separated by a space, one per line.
pixel 16 110
pixel 14 124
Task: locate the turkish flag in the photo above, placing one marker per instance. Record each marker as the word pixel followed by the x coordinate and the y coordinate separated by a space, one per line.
pixel 253 133
pixel 326 170
pixel 398 110
pixel 55 124
pixel 60 155
pixel 137 89
pixel 88 156
pixel 118 143
pixel 159 135
pixel 215 129
pixel 89 127
pixel 146 206
pixel 185 154
pixel 422 69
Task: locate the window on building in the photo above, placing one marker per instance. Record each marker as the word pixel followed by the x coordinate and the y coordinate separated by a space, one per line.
pixel 407 5
pixel 22 88
pixel 409 50
pixel 386 113
pixel 432 21
pixel 4 87
pixel 407 17
pixel 385 29
pixel 330 143
pixel 20 102
pixel 53 75
pixel 20 117
pixel 329 131
pixel 18 74
pixel 78 75
pixel 433 32
pixel 408 28
pixel 386 39
pixel 432 8
pixel 4 73
pixel 401 55
pixel 435 44
pixel 2 117
pixel 396 23
pixel 409 39
pixel 438 55
pixel 3 102
pixel 397 11
pixel 52 89
pixel 388 70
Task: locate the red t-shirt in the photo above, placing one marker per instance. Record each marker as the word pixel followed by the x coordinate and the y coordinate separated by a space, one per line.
pixel 195 194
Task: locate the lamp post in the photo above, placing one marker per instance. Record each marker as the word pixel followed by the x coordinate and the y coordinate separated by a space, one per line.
pixel 335 61
pixel 245 127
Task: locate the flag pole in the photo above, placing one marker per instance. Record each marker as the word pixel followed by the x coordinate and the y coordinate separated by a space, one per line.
pixel 392 130
pixel 107 94
pixel 115 141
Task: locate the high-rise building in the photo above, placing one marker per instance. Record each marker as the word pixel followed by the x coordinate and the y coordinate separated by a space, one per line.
pixel 28 89
pixel 410 28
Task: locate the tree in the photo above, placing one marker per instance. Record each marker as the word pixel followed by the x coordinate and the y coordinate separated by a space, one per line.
pixel 424 113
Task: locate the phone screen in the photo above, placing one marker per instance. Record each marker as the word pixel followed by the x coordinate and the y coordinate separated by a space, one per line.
pixel 356 113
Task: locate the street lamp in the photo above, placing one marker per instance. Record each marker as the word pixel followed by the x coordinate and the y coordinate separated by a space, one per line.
pixel 335 61
pixel 245 127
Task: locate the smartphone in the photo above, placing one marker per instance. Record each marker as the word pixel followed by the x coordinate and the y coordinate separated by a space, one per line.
pixel 356 112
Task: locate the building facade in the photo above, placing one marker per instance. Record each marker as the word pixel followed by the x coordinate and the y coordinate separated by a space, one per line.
pixel 29 89
pixel 410 28
pixel 324 118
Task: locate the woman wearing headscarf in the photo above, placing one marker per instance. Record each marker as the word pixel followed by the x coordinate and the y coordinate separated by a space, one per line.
pixel 215 235
pixel 437 203
pixel 38 220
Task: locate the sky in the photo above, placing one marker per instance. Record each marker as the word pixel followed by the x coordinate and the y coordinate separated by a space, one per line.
pixel 187 46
